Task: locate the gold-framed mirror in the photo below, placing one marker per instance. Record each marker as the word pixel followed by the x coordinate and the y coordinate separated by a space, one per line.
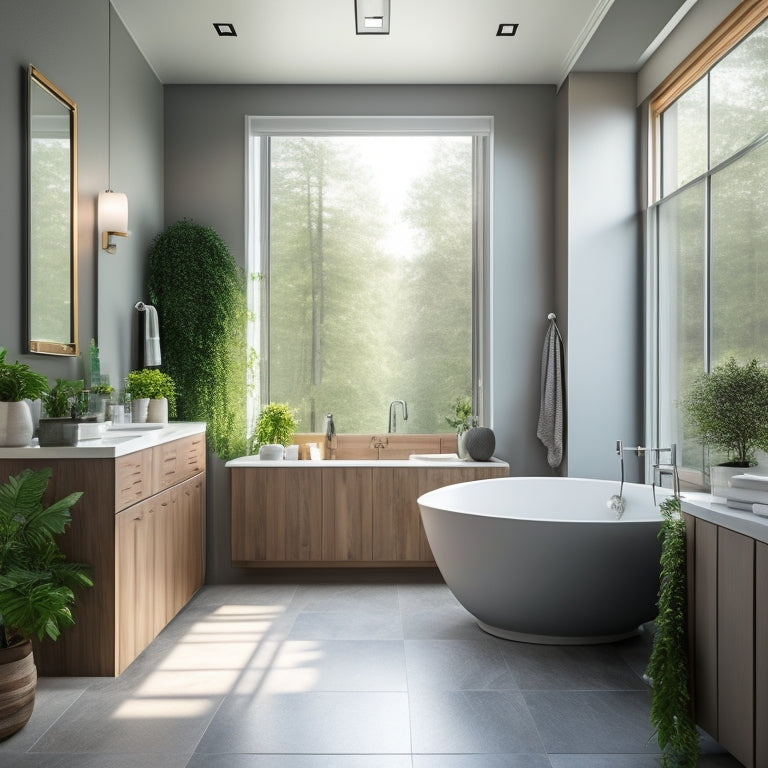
pixel 52 218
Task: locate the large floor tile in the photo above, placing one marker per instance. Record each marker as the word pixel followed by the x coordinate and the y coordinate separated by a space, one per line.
pixel 347 625
pixel 594 722
pixel 604 761
pixel 481 761
pixel 346 597
pixel 108 721
pixel 472 722
pixel 569 667
pixel 55 760
pixel 311 723
pixel 300 761
pixel 457 665
pixel 301 666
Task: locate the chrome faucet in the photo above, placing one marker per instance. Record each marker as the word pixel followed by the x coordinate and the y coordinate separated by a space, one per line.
pixel 393 414
pixel 616 502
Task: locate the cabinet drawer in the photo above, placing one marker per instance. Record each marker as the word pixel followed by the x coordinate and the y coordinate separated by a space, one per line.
pixel 133 478
pixel 178 461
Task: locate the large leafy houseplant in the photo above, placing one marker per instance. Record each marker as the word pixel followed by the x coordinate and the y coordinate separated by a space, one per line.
pixel 275 426
pixel 728 408
pixel 37 582
pixel 19 382
pixel 199 292
pixel 60 398
pixel 668 668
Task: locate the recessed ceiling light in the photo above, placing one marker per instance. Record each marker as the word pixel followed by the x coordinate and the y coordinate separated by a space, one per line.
pixel 506 30
pixel 225 29
pixel 372 17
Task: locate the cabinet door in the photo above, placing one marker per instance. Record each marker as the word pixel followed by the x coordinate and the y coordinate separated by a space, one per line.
pixel 277 515
pixel 396 521
pixel 761 653
pixel 736 644
pixel 347 514
pixel 134 565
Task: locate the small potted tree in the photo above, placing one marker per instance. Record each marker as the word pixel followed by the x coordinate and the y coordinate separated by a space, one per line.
pixel 728 408
pixel 275 428
pixel 37 586
pixel 18 382
pixel 62 407
pixel 153 395
pixel 461 421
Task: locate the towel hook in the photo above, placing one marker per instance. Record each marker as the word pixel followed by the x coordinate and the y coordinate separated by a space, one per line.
pixel 140 305
pixel 551 316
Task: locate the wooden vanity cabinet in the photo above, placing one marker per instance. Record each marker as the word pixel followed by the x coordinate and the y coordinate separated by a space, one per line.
pixel 361 515
pixel 728 618
pixel 140 526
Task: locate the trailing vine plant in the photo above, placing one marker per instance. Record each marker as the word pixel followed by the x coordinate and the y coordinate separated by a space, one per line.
pixel 668 669
pixel 199 293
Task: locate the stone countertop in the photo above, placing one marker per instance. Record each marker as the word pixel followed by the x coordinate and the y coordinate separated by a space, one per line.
pixel 254 461
pixel 115 440
pixel 714 510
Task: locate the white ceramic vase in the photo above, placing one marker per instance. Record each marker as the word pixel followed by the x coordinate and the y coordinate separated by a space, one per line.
pixel 16 427
pixel 157 410
pixel 271 452
pixel 720 477
pixel 139 409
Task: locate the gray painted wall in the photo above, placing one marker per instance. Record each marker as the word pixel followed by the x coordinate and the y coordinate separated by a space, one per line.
pixel 69 43
pixel 599 268
pixel 205 178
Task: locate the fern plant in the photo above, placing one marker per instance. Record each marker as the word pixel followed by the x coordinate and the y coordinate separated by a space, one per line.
pixel 199 292
pixel 37 582
pixel 668 669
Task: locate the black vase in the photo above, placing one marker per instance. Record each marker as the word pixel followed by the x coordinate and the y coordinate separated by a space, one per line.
pixel 481 443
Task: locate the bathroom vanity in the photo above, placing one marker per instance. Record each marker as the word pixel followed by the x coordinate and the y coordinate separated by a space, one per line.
pixel 343 512
pixel 139 525
pixel 728 620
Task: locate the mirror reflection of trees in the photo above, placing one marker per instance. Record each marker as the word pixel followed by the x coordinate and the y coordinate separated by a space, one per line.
pixel 370 290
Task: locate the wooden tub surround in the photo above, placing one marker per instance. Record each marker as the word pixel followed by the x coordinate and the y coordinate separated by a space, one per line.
pixel 140 525
pixel 356 511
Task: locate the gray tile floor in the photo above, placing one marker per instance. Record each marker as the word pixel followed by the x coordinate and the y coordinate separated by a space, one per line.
pixel 347 676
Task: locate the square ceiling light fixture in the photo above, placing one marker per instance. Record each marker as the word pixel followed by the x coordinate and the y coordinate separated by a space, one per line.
pixel 506 30
pixel 372 17
pixel 224 29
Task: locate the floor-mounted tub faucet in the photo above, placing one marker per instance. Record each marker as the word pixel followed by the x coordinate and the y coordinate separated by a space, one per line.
pixel 393 414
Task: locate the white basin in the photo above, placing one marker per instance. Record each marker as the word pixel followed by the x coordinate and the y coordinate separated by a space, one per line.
pixel 434 457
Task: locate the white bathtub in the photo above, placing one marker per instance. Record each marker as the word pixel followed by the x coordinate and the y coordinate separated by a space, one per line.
pixel 544 560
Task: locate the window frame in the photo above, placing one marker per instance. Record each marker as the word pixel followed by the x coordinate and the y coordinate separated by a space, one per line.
pixel 258 130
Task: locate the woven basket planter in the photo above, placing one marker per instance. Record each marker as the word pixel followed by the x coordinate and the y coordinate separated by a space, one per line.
pixel 18 681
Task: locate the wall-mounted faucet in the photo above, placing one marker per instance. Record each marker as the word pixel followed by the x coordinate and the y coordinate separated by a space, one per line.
pixel 393 414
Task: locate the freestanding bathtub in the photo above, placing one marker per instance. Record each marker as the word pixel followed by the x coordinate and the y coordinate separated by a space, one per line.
pixel 545 560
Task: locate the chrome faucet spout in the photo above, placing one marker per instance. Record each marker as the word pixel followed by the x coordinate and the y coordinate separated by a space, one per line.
pixel 393 414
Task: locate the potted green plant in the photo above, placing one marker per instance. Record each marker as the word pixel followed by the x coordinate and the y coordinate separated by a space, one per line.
pixel 275 426
pixel 18 382
pixel 153 395
pixel 37 586
pixel 728 408
pixel 62 408
pixel 100 396
pixel 461 421
pixel 200 294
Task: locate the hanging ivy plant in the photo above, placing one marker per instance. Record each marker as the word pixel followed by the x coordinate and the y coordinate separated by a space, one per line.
pixel 199 292
pixel 668 668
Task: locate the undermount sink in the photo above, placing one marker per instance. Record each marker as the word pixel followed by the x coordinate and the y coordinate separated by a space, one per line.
pixel 143 426
pixel 434 457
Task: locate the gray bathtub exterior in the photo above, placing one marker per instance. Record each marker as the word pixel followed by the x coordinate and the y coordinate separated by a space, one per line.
pixel 544 559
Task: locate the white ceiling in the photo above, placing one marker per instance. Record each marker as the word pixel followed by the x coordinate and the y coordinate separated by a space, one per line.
pixel 431 41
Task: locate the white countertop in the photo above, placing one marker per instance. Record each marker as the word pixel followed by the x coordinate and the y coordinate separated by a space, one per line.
pixel 115 440
pixel 254 461
pixel 713 509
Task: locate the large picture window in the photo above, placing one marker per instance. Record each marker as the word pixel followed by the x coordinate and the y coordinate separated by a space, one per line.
pixel 366 251
pixel 709 227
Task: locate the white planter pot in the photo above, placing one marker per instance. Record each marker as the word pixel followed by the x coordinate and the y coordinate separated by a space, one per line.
pixel 157 411
pixel 15 424
pixel 720 476
pixel 271 452
pixel 139 408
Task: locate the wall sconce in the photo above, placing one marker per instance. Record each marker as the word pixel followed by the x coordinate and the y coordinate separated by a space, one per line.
pixel 372 17
pixel 113 218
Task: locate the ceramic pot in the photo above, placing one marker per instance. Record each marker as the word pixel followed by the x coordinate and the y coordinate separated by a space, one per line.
pixel 720 476
pixel 271 452
pixel 16 427
pixel 461 444
pixel 139 409
pixel 57 431
pixel 157 410
pixel 480 443
pixel 18 681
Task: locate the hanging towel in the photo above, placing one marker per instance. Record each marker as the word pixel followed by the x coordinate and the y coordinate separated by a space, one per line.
pixel 552 407
pixel 152 356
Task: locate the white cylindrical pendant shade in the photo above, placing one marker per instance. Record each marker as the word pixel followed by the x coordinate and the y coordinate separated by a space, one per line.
pixel 113 212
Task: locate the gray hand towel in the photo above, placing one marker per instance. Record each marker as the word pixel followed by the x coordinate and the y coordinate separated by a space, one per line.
pixel 552 408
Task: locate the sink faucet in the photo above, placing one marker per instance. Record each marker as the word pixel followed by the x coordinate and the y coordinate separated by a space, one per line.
pixel 617 502
pixel 393 414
